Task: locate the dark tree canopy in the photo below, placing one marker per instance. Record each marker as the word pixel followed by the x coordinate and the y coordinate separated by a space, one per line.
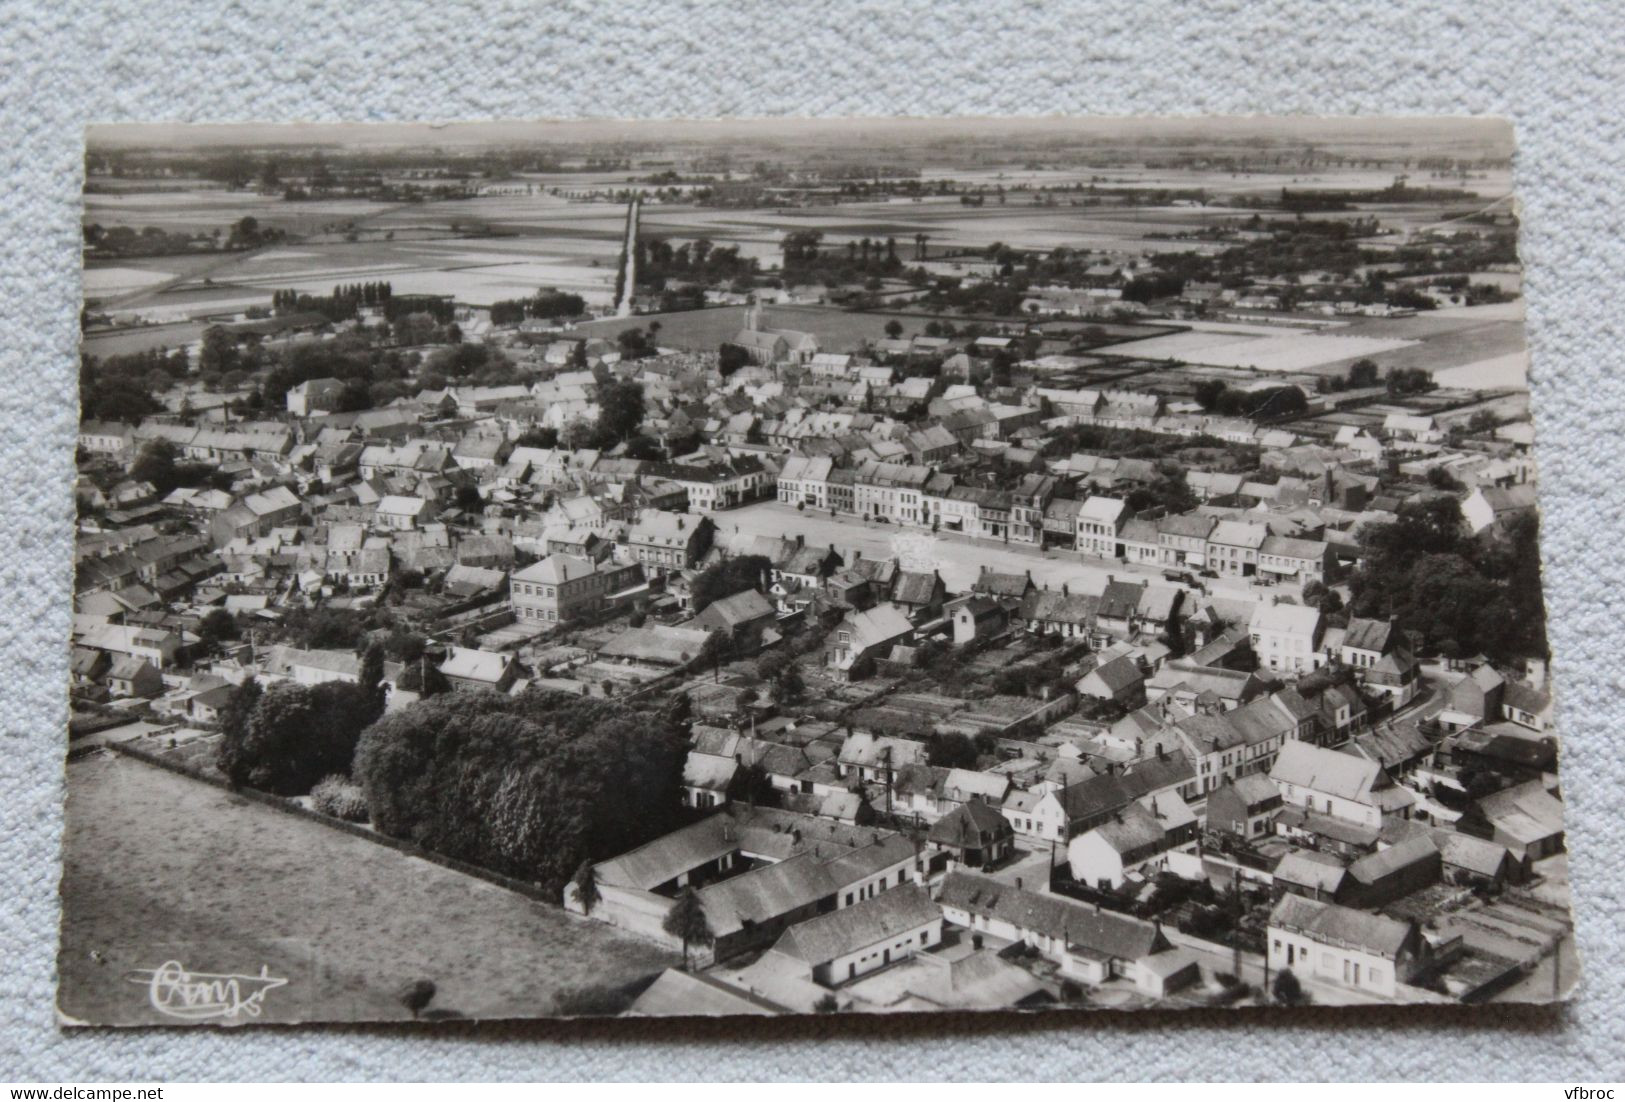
pixel 728 577
pixel 952 750
pixel 687 920
pixel 620 411
pixel 1465 595
pixel 296 735
pixel 529 786
pixel 730 358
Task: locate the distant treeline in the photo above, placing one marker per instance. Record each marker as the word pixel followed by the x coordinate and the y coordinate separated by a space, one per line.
pixel 345 302
pixel 548 303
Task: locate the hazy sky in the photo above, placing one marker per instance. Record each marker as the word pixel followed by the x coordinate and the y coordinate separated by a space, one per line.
pixel 1494 136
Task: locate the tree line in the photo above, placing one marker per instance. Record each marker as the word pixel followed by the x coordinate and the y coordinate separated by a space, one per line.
pixel 548 303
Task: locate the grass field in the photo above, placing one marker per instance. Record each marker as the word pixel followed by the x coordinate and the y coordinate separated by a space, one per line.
pixel 837 330
pixel 159 867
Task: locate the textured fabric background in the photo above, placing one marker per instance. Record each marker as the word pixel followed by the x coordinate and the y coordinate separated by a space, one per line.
pixel 1556 69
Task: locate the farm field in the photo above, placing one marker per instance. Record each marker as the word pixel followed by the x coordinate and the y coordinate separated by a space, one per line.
pixel 1459 345
pixel 1476 346
pixel 202 209
pixel 162 867
pixel 478 272
pixel 125 342
pixel 1277 351
pixel 837 330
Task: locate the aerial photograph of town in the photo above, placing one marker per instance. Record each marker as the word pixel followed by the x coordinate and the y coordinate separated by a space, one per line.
pixel 806 567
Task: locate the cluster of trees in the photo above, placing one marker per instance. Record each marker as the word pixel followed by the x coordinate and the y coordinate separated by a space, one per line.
pixel 530 786
pixel 1465 595
pixel 287 738
pixel 1045 678
pixel 1148 288
pixel 1269 403
pixel 120 388
pixel 952 750
pixel 1295 247
pixel 1000 298
pixel 159 463
pixel 862 261
pixel 778 668
pixel 730 358
pixel 1171 492
pixel 442 308
pixel 697 261
pixel 546 303
pixel 621 408
pixel 1402 381
pixel 345 359
pixel 126 242
pixel 730 576
pixel 635 344
pixel 480 364
pixel 345 301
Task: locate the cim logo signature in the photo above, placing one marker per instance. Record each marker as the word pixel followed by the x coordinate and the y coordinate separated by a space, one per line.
pixel 204 996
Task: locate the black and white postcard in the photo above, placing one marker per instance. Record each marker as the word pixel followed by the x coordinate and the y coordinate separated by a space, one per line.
pixel 806 567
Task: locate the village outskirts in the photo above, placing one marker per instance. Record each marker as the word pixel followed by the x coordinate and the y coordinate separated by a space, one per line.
pixel 962 667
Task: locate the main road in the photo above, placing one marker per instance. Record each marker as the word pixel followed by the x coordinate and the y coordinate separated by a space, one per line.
pixel 958 558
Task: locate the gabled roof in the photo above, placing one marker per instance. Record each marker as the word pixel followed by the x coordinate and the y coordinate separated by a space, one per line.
pixel 878 625
pixel 852 929
pixel 1393 744
pixel 1235 533
pixel 669 856
pixel 697 995
pixel 1385 862
pixel 973 825
pixel 1331 924
pixel 1311 869
pixel 1329 771
pixel 1188 525
pixel 864 749
pixel 1102 510
pixel 1158 603
pixel 743 607
pixel 1526 811
pixel 914 587
pixel 283 660
pixel 1083 928
pixel 556 570
pixel 1121 600
pixel 1118 674
pixel 1254 789
pixel 967 784
pixel 1134 829
pixel 1372 635
pixel 712 772
pixel 1003 585
pixel 1052 607
pixel 1287 619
